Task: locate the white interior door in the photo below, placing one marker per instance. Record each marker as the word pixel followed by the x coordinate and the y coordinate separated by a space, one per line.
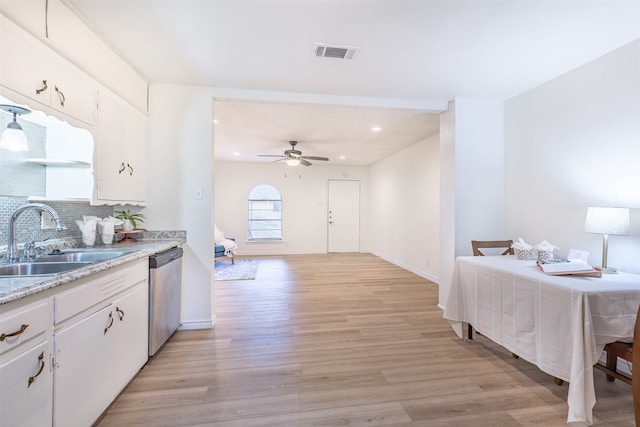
pixel 343 216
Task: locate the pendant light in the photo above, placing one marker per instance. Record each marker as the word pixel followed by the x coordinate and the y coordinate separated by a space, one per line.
pixel 13 137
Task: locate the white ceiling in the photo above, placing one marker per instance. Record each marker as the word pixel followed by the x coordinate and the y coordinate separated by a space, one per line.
pixel 414 56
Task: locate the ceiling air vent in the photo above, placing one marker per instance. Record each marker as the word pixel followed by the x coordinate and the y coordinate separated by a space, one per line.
pixel 339 52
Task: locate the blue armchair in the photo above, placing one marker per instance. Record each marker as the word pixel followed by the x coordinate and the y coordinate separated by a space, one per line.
pixel 219 251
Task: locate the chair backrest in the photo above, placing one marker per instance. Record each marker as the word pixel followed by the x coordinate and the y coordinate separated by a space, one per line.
pixel 476 245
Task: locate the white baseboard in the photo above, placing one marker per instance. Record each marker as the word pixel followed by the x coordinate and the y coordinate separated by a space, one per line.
pixel 411 269
pixel 197 325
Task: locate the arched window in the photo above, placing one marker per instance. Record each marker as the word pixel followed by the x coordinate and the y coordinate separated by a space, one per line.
pixel 265 213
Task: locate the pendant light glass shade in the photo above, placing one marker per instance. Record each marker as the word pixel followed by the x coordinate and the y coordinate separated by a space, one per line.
pixel 13 137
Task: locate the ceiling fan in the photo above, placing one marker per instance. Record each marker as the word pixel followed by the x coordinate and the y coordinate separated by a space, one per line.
pixel 294 157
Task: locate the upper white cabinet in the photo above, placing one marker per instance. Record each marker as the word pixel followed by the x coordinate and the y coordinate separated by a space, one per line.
pixel 32 70
pixel 57 24
pixel 121 157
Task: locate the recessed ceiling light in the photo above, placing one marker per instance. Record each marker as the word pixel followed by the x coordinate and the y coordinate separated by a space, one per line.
pixel 215 121
pixel 342 157
pixel 376 129
pixel 235 153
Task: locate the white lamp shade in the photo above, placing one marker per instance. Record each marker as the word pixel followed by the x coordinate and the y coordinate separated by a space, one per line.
pixel 293 162
pixel 613 221
pixel 14 139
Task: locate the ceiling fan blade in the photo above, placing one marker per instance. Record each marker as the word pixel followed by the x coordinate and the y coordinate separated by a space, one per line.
pixel 304 162
pixel 315 158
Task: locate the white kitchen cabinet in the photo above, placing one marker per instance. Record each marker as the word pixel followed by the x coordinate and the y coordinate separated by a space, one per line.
pixel 84 368
pixel 100 341
pixel 30 14
pixel 31 69
pixel 67 353
pixel 26 395
pixel 26 380
pixel 130 334
pixel 121 168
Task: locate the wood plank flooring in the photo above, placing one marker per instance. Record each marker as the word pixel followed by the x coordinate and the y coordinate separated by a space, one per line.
pixel 343 340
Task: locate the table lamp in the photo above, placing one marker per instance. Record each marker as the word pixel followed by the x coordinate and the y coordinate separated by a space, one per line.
pixel 607 221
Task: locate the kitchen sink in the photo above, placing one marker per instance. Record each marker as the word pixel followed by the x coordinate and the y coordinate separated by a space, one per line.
pixel 61 261
pixel 84 255
pixel 39 268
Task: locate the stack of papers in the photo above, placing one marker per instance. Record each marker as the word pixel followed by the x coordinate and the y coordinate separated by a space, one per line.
pixel 576 267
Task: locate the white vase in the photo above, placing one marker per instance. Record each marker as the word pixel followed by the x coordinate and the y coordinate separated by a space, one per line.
pixel 126 225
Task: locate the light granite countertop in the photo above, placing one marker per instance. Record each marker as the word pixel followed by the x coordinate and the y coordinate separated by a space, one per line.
pixel 148 243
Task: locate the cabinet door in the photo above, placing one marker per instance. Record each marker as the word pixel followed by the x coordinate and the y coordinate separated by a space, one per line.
pixel 72 93
pixel 110 157
pixel 121 152
pixel 30 14
pixel 136 149
pixel 24 63
pixel 83 368
pixel 26 389
pixel 131 332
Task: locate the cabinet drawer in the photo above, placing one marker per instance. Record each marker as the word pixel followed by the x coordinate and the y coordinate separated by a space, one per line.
pixel 98 289
pixel 21 324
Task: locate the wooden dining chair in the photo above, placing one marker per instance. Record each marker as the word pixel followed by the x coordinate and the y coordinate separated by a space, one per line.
pixel 476 245
pixel 631 353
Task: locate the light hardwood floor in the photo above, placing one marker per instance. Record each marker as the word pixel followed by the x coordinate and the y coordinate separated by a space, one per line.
pixel 343 340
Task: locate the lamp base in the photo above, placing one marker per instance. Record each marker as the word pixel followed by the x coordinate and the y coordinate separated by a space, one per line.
pixel 607 270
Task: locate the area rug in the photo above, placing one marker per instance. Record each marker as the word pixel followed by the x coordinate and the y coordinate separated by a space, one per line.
pixel 243 269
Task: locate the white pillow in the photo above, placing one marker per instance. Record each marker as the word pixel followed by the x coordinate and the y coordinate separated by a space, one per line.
pixel 218 236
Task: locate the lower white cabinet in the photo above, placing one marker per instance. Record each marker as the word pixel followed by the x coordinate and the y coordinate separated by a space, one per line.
pixel 25 394
pixel 97 356
pixel 82 370
pixel 26 378
pixel 67 354
pixel 100 349
pixel 130 333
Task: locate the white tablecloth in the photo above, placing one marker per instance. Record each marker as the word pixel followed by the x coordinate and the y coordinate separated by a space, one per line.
pixel 558 323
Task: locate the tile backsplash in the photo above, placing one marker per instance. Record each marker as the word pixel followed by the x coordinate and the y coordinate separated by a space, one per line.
pixel 28 224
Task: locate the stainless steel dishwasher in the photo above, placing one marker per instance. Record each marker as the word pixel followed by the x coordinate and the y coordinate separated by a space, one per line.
pixel 165 291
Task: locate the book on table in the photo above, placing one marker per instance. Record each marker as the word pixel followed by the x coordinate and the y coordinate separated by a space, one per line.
pixel 576 267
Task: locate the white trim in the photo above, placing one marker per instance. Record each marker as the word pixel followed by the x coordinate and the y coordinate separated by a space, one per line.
pixel 411 269
pixel 205 324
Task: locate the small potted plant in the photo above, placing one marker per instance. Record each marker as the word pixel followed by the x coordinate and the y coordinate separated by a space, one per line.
pixel 129 220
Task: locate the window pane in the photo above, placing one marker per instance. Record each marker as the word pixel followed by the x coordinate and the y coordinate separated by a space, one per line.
pixel 265 213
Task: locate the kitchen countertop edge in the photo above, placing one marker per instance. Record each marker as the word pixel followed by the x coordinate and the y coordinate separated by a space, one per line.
pixel 15 288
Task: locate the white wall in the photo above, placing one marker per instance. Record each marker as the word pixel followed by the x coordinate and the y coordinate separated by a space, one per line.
pixel 571 143
pixel 404 200
pixel 471 167
pixel 304 203
pixel 180 160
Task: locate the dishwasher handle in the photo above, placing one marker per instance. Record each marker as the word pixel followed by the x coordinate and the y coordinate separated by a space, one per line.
pixel 162 258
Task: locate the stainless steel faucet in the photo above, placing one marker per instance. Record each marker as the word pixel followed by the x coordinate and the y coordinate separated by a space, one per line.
pixel 12 246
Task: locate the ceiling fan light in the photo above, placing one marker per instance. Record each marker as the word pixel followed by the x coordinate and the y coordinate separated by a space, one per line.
pixel 293 162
